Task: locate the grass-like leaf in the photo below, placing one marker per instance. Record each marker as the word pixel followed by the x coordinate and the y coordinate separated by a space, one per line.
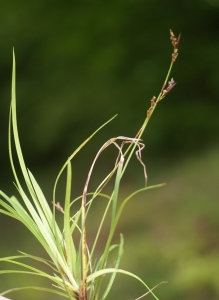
pixel 74 270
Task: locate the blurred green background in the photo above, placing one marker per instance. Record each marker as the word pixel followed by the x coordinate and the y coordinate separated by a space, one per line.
pixel 78 64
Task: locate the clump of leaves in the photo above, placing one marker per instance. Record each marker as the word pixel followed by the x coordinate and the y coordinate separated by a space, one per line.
pixel 75 273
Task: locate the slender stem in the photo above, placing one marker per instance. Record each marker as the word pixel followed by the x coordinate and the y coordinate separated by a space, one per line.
pixel 154 102
pixel 149 114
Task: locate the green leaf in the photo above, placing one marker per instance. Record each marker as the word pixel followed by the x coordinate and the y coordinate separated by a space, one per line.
pixel 112 270
pixel 120 252
pixel 69 245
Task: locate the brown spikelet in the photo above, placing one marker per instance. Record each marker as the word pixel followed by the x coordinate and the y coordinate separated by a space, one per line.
pixel 175 43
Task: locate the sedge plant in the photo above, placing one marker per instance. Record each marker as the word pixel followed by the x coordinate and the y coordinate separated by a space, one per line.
pixel 73 269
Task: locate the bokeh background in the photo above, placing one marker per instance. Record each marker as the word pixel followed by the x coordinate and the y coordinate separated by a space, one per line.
pixel 78 64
